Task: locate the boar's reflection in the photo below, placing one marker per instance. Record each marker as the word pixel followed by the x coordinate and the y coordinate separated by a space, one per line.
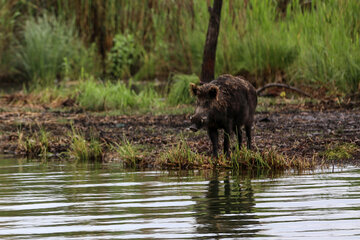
pixel 227 209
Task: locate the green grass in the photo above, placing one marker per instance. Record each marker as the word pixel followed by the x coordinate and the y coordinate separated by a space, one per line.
pixel 96 96
pixel 270 159
pixel 270 104
pixel 339 151
pixel 82 149
pixel 49 51
pixel 36 145
pixel 182 157
pixel 127 152
pixel 316 46
pixel 180 90
pixel 327 36
pixel 8 16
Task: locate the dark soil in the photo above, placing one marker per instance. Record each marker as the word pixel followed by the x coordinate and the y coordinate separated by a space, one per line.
pixel 295 130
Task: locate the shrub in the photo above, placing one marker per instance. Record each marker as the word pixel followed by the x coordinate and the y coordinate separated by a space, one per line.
pixel 125 57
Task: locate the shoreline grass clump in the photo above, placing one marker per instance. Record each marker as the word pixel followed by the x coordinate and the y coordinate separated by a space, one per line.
pixel 181 156
pixel 267 159
pixel 249 159
pixel 36 145
pixel 127 152
pixel 84 150
pixel 339 151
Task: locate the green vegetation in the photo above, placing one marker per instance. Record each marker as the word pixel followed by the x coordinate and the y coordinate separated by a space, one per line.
pixel 180 91
pixel 124 57
pixel 182 157
pixel 49 51
pixel 36 145
pixel 301 42
pixel 84 150
pixel 127 152
pixel 8 16
pixel 89 148
pixel 110 96
pixel 339 151
pixel 267 159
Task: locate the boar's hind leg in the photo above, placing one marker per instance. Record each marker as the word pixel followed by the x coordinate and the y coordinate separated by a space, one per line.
pixel 248 135
pixel 213 134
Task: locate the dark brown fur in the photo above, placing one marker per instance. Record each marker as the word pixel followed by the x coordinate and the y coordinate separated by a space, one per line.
pixel 225 103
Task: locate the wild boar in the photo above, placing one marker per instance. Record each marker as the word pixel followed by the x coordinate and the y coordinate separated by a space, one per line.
pixel 225 103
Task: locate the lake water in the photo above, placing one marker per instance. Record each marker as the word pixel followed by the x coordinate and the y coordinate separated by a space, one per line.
pixel 81 201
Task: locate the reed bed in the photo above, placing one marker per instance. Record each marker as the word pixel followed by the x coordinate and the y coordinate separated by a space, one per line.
pixel 299 42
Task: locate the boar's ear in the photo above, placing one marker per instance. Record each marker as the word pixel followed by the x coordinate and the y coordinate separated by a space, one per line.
pixel 193 89
pixel 214 92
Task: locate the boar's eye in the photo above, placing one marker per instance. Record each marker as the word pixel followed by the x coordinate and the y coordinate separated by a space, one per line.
pixel 203 119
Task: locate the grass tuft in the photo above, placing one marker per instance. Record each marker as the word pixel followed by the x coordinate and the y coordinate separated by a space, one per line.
pixel 182 157
pixel 268 159
pixel 84 150
pixel 36 145
pixel 339 151
pixel 127 152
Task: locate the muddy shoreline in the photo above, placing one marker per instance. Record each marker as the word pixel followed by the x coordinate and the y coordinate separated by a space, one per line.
pixel 304 131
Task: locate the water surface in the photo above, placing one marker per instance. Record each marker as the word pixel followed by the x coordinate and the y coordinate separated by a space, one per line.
pixel 82 201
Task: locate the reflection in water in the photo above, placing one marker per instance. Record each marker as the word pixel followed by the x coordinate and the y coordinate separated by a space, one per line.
pixel 79 201
pixel 227 208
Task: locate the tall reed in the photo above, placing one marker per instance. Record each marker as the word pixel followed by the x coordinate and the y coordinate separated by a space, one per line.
pixel 302 42
pixel 8 16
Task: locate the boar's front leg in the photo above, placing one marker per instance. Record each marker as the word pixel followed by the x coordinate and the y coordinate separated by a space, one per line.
pixel 213 134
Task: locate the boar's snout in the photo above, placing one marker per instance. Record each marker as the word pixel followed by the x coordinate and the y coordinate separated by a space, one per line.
pixel 193 128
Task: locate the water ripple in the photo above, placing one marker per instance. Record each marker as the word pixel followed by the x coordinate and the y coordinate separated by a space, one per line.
pixel 87 202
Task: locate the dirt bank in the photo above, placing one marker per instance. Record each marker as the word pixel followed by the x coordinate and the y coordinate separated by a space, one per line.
pixel 305 131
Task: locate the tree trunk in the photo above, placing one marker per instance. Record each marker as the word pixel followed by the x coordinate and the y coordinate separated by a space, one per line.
pixel 208 65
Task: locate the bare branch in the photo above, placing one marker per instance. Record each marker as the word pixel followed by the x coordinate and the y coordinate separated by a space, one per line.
pixel 282 85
